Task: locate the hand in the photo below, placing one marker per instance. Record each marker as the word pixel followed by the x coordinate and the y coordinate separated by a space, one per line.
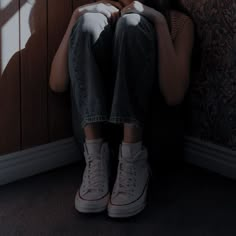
pixel 125 3
pixel 139 8
pixel 110 9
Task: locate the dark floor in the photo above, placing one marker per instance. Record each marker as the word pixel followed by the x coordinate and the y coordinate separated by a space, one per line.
pixel 187 202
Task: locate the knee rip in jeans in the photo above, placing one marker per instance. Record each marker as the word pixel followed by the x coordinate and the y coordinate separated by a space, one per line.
pixel 133 22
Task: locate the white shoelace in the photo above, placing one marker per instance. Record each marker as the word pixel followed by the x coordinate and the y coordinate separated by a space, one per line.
pixel 94 174
pixel 127 178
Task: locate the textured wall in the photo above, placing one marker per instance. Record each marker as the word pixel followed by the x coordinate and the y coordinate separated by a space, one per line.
pixel 30 113
pixel 211 101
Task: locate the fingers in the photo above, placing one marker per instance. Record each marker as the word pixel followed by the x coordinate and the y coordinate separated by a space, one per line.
pixel 124 3
pixel 125 10
pixel 111 12
pixel 106 12
pixel 116 4
pixel 110 9
pixel 134 7
pixel 115 13
pixel 113 3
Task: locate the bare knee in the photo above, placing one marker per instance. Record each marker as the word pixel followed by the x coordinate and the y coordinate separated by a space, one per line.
pixel 90 24
pixel 133 22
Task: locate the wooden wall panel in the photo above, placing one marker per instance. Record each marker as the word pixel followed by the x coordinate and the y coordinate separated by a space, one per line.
pixel 9 77
pixel 59 108
pixel 30 33
pixel 33 37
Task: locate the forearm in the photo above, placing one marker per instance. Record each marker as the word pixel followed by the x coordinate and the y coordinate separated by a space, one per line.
pixel 59 80
pixel 59 69
pixel 174 58
pixel 170 77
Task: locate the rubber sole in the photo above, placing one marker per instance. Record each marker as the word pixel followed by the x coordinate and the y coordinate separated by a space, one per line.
pixel 87 206
pixel 126 214
pixel 132 209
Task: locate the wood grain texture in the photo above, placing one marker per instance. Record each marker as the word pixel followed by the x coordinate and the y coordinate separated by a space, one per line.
pixel 30 33
pixel 9 77
pixel 59 108
pixel 33 35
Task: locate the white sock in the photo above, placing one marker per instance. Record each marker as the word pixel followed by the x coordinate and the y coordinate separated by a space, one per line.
pixel 94 145
pixel 130 149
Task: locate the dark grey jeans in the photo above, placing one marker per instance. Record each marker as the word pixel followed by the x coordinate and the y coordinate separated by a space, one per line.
pixel 112 70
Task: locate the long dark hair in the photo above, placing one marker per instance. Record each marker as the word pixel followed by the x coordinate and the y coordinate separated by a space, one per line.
pixel 165 6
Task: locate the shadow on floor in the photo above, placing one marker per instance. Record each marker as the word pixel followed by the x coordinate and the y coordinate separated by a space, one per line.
pixel 185 201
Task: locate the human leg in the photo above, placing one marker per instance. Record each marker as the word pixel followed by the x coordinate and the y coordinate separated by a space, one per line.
pixel 89 48
pixel 135 66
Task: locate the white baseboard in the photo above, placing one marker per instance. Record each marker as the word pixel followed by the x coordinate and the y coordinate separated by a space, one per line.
pixel 25 163
pixel 211 156
pixel 22 164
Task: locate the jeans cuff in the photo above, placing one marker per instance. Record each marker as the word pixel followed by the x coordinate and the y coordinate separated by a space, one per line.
pixel 128 120
pixel 93 119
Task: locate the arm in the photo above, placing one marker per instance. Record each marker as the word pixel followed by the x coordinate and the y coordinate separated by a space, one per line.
pixel 174 60
pixel 59 80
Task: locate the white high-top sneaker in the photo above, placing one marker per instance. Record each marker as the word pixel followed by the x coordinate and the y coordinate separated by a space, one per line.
pixel 93 194
pixel 130 189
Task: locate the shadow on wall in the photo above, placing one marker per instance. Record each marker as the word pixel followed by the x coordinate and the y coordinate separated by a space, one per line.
pixel 23 80
pixel 36 28
pixel 24 85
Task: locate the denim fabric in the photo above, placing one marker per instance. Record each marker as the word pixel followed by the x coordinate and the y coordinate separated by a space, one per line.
pixel 112 70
